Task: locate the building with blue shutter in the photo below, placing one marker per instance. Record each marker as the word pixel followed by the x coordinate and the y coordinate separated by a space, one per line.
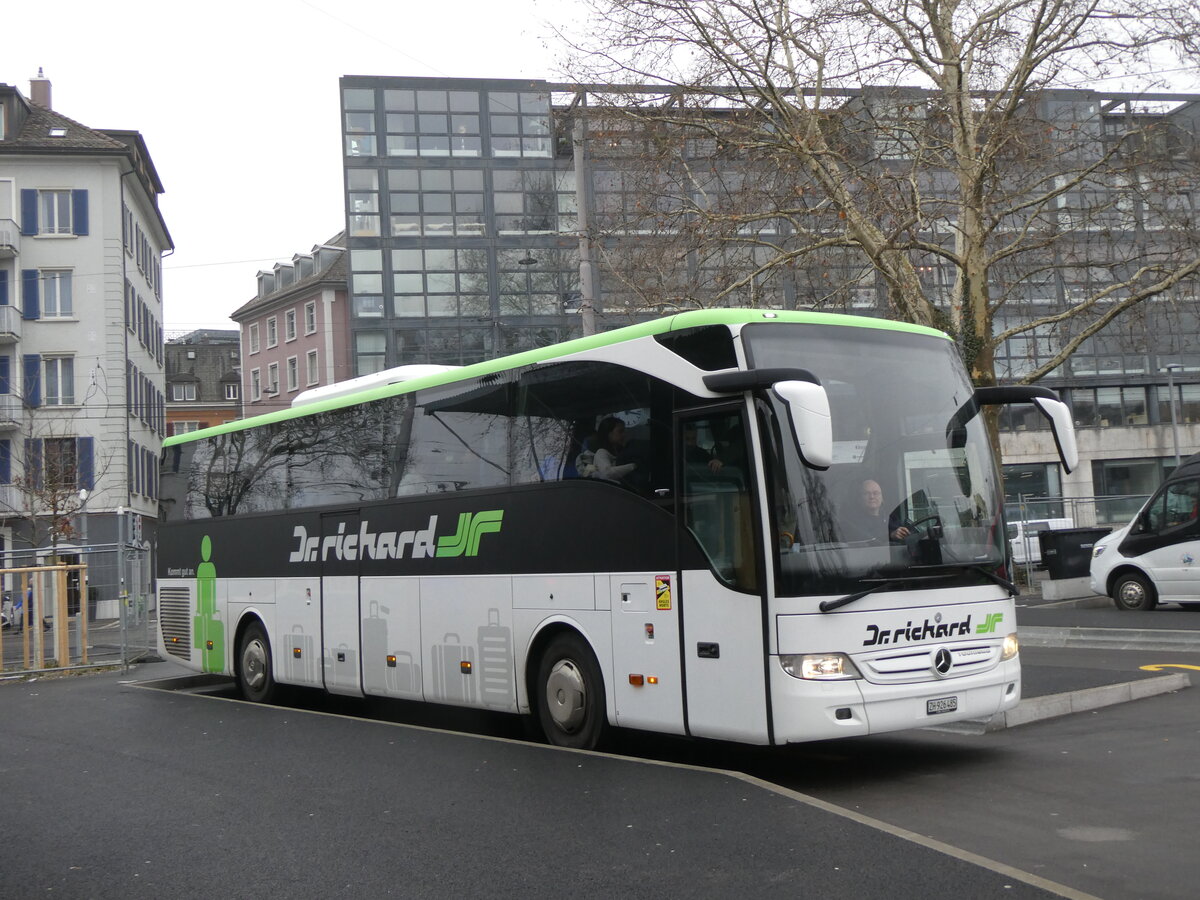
pixel 82 412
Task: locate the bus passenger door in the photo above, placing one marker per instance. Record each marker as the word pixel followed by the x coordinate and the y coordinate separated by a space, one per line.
pixel 647 683
pixel 722 607
pixel 339 602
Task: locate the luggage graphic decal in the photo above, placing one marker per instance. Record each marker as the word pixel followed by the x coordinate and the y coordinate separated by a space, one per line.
pixel 403 675
pixel 496 679
pixel 341 666
pixel 453 671
pixel 299 661
pixel 375 649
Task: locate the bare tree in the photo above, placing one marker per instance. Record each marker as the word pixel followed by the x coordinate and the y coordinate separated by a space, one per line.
pixel 47 478
pixel 776 154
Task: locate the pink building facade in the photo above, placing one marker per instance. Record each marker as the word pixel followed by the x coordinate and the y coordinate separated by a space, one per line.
pixel 295 332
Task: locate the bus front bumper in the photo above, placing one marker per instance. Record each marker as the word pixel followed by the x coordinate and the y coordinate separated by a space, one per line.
pixel 806 710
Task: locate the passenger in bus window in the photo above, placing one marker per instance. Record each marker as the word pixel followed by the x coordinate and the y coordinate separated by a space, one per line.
pixel 694 454
pixel 867 522
pixel 610 443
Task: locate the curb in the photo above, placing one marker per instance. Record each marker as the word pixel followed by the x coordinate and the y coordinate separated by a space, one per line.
pixel 1051 706
pixel 1109 638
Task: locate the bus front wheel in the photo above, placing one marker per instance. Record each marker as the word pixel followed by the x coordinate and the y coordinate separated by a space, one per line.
pixel 254 674
pixel 570 694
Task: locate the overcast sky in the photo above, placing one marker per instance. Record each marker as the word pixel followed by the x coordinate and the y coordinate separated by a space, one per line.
pixel 238 103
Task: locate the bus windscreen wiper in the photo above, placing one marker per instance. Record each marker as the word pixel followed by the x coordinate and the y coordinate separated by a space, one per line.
pixel 831 605
pixel 918 574
pixel 978 568
pixel 999 579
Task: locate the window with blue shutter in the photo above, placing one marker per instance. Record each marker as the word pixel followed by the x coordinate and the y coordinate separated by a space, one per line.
pixel 5 461
pixel 84 462
pixel 33 463
pixel 129 466
pixel 33 379
pixel 5 374
pixel 29 211
pixel 3 287
pixel 30 303
pixel 79 212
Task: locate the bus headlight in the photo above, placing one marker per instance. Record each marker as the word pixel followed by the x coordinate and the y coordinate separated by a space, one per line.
pixel 1010 647
pixel 819 666
pixel 1097 550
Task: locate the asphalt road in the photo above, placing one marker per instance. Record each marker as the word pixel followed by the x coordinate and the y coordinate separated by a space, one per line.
pixel 107 790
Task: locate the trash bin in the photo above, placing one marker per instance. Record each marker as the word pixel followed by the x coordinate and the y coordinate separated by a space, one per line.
pixel 1067 553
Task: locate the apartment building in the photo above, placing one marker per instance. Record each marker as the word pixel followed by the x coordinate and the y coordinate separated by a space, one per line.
pixel 81 337
pixel 203 379
pixel 294 333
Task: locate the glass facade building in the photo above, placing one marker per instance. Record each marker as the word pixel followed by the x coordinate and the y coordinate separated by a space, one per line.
pixel 465 228
pixel 460 221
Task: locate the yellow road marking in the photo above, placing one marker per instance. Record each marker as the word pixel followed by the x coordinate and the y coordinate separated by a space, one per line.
pixel 1160 666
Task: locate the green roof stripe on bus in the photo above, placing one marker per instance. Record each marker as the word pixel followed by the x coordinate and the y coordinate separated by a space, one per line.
pixel 676 322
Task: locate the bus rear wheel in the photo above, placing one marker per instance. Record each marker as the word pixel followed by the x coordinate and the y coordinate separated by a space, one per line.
pixel 1134 591
pixel 570 694
pixel 255 677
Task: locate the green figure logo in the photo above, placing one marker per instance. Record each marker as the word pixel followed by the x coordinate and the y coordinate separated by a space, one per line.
pixel 988 625
pixel 465 541
pixel 208 632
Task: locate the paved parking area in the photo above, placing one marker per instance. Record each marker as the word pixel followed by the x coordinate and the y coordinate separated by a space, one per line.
pixel 114 790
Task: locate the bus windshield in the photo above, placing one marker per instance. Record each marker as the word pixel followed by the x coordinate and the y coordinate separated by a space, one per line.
pixel 906 495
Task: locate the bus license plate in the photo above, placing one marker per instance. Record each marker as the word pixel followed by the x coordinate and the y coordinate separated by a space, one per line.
pixel 941 705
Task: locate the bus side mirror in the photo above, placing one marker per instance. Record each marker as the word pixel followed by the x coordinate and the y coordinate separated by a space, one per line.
pixel 812 427
pixel 1063 428
pixel 1047 402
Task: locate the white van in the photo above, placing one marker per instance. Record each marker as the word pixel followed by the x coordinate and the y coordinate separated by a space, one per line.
pixel 1153 559
pixel 1023 538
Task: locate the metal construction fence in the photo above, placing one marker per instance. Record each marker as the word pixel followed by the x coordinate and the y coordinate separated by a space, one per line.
pixel 1084 512
pixel 1040 513
pixel 80 606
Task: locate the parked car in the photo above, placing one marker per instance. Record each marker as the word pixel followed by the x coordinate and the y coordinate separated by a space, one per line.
pixel 1023 538
pixel 1154 559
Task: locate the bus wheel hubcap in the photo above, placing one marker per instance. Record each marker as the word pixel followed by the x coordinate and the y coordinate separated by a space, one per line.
pixel 1131 592
pixel 566 695
pixel 254 664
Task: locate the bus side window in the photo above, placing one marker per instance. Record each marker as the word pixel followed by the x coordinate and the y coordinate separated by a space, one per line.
pixel 716 496
pixel 558 409
pixel 342 456
pixel 459 440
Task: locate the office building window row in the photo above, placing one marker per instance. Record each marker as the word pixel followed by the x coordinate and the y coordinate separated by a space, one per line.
pixel 436 202
pixel 440 123
pixel 538 281
pixel 1113 407
pixel 440 282
pixel 463 344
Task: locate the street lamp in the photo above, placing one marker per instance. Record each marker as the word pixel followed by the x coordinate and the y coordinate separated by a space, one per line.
pixel 1171 367
pixel 83 499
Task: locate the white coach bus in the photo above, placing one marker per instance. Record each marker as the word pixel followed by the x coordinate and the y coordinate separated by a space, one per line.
pixel 765 527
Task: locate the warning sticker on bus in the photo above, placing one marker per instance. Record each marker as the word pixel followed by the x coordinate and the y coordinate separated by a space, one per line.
pixel 662 592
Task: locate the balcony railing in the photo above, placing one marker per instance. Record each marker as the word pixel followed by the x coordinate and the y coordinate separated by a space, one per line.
pixel 11 499
pixel 10 411
pixel 10 239
pixel 10 324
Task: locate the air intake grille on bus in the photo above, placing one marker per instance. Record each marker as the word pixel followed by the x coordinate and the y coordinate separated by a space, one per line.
pixel 175 620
